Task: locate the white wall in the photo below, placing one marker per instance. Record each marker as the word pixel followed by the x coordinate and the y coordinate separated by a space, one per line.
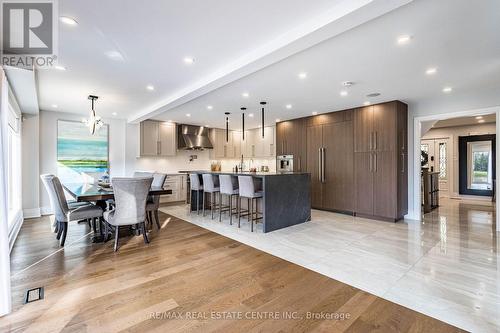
pixel 31 166
pixel 48 147
pixel 453 133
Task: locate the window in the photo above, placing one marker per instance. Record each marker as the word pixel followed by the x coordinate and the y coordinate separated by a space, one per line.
pixel 442 160
pixel 480 166
pixel 13 165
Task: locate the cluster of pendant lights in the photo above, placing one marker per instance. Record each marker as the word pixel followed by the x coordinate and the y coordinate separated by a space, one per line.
pixel 243 109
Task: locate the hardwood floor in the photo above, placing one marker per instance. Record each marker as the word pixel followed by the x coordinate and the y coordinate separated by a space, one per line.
pixel 189 273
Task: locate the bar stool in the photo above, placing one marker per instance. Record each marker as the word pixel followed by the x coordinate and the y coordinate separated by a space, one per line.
pixel 210 185
pixel 248 190
pixel 229 187
pixel 195 186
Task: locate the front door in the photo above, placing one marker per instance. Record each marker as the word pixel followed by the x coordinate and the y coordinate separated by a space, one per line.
pixel 438 154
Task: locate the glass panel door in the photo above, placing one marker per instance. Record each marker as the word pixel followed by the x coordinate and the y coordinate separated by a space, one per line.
pixel 480 166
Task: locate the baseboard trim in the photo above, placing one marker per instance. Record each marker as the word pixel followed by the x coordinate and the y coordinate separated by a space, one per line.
pixel 46 210
pixel 31 213
pixel 18 222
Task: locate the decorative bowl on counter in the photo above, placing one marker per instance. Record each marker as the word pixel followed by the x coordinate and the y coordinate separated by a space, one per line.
pixel 104 184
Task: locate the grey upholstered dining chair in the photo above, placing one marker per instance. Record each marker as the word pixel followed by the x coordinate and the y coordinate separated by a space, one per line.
pixel 196 185
pixel 143 174
pixel 62 211
pixel 130 205
pixel 153 203
pixel 248 189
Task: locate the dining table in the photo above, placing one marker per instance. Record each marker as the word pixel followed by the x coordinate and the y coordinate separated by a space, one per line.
pixel 98 194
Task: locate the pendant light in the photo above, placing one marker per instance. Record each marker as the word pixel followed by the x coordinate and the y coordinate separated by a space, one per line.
pixel 227 125
pixel 263 103
pixel 94 123
pixel 243 121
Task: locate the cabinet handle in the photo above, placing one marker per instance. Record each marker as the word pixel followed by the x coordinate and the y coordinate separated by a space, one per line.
pixel 371 162
pixel 157 147
pixel 370 145
pixel 402 162
pixel 299 166
pixel 323 165
pixel 376 141
pixel 320 162
pixel 375 162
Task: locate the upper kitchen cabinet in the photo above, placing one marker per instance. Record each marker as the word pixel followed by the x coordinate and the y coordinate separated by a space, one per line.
pixel 253 146
pixel 258 146
pixel 157 138
pixel 290 140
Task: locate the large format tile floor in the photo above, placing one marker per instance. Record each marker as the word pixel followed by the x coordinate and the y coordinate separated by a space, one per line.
pixel 446 267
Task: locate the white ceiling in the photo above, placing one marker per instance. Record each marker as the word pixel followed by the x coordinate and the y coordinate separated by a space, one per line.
pixel 465 121
pixel 458 38
pixel 154 37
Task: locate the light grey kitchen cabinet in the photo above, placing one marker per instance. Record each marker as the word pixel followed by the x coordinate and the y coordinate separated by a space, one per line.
pixel 157 138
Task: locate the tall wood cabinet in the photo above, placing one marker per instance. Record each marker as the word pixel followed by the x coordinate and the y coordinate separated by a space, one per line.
pixel 330 160
pixel 291 140
pixel 380 161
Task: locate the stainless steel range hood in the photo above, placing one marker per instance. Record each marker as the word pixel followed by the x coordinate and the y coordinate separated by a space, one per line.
pixel 191 137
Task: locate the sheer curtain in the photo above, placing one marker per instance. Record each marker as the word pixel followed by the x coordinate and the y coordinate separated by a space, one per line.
pixel 5 301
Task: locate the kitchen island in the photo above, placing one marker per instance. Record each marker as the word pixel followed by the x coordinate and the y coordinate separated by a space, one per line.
pixel 286 197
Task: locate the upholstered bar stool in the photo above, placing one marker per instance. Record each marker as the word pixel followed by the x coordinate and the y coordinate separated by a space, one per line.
pixel 250 191
pixel 229 187
pixel 196 185
pixel 210 185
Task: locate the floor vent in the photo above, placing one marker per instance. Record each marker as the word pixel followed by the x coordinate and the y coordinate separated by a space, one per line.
pixel 33 295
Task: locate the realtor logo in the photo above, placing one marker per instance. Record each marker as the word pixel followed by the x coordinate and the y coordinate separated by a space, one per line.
pixel 29 33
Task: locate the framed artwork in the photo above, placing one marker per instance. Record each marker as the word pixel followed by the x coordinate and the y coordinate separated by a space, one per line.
pixel 81 157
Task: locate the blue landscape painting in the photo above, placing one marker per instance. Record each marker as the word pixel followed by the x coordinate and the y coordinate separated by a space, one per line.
pixel 81 157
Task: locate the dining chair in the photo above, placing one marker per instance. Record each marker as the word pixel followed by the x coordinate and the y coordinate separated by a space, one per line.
pixel 130 195
pixel 153 203
pixel 63 212
pixel 196 185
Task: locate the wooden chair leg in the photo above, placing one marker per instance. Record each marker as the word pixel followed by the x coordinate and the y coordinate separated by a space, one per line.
pixel 116 238
pixel 157 219
pixel 64 226
pixel 144 233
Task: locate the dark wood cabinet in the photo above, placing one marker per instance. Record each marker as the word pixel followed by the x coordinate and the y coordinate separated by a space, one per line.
pixel 358 159
pixel 290 137
pixel 380 133
pixel 330 160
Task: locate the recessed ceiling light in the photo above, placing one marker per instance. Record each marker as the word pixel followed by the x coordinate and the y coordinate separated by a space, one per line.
pixel 114 55
pixel 431 71
pixel 366 103
pixel 343 93
pixel 447 89
pixel 479 117
pixel 188 114
pixel 60 68
pixel 188 60
pixel 68 20
pixel 278 120
pixel 302 75
pixel 314 113
pixel 245 94
pixel 210 107
pixel 404 39
pixel 288 106
pixel 54 106
pixel 150 87
pixel 250 115
pixel 480 121
pixel 347 83
pixel 114 113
